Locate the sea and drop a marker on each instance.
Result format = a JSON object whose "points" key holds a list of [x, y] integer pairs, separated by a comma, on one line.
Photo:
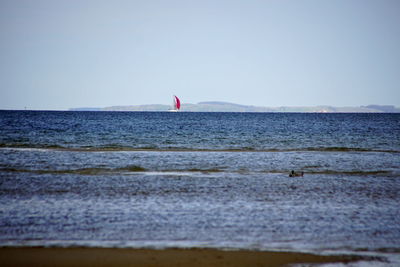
{"points": [[209, 180]]}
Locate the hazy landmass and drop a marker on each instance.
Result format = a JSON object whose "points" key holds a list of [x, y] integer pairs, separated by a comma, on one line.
{"points": [[216, 106]]}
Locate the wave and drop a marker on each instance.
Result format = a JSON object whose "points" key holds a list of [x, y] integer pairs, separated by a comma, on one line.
{"points": [[103, 170], [190, 149], [343, 149], [353, 173], [130, 169], [81, 171]]}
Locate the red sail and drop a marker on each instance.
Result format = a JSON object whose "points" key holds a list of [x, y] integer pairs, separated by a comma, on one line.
{"points": [[177, 103]]}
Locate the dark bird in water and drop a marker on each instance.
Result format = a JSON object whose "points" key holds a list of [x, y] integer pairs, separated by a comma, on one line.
{"points": [[296, 174]]}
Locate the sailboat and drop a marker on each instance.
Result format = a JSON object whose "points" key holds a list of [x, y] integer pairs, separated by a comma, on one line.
{"points": [[176, 104]]}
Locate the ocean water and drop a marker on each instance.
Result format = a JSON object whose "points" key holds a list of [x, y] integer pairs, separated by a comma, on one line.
{"points": [[220, 180]]}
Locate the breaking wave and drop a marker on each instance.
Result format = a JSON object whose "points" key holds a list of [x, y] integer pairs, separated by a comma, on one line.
{"points": [[130, 169]]}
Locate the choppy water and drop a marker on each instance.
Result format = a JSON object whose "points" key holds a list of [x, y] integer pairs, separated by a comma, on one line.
{"points": [[201, 179]]}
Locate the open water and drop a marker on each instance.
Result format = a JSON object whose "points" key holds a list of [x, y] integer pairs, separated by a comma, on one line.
{"points": [[221, 180]]}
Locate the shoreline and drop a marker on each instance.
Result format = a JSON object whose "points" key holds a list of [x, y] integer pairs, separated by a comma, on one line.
{"points": [[40, 256]]}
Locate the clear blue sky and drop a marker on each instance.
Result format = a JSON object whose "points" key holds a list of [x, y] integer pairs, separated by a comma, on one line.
{"points": [[76, 53]]}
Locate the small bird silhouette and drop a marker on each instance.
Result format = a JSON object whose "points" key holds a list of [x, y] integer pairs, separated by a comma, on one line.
{"points": [[296, 174]]}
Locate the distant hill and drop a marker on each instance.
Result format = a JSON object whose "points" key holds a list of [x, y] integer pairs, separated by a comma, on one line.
{"points": [[217, 106], [85, 109], [387, 108], [155, 107]]}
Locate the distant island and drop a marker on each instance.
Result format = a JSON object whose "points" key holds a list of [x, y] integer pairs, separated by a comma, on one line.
{"points": [[217, 106]]}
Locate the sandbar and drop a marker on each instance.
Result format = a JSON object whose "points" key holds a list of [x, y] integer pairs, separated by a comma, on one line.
{"points": [[105, 257]]}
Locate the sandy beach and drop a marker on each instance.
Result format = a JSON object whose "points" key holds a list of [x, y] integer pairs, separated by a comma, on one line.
{"points": [[149, 257]]}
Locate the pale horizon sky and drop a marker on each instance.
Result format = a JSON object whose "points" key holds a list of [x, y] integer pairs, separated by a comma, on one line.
{"points": [[66, 54]]}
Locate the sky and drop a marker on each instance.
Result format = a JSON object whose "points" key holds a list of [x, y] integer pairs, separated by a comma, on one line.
{"points": [[57, 54]]}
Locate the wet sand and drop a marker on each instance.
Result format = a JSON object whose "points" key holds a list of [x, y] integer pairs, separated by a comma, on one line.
{"points": [[152, 257]]}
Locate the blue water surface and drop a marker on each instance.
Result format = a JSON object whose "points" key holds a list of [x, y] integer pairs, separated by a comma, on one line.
{"points": [[159, 179]]}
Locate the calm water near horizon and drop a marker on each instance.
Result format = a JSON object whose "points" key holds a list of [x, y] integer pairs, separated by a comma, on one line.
{"points": [[160, 179]]}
